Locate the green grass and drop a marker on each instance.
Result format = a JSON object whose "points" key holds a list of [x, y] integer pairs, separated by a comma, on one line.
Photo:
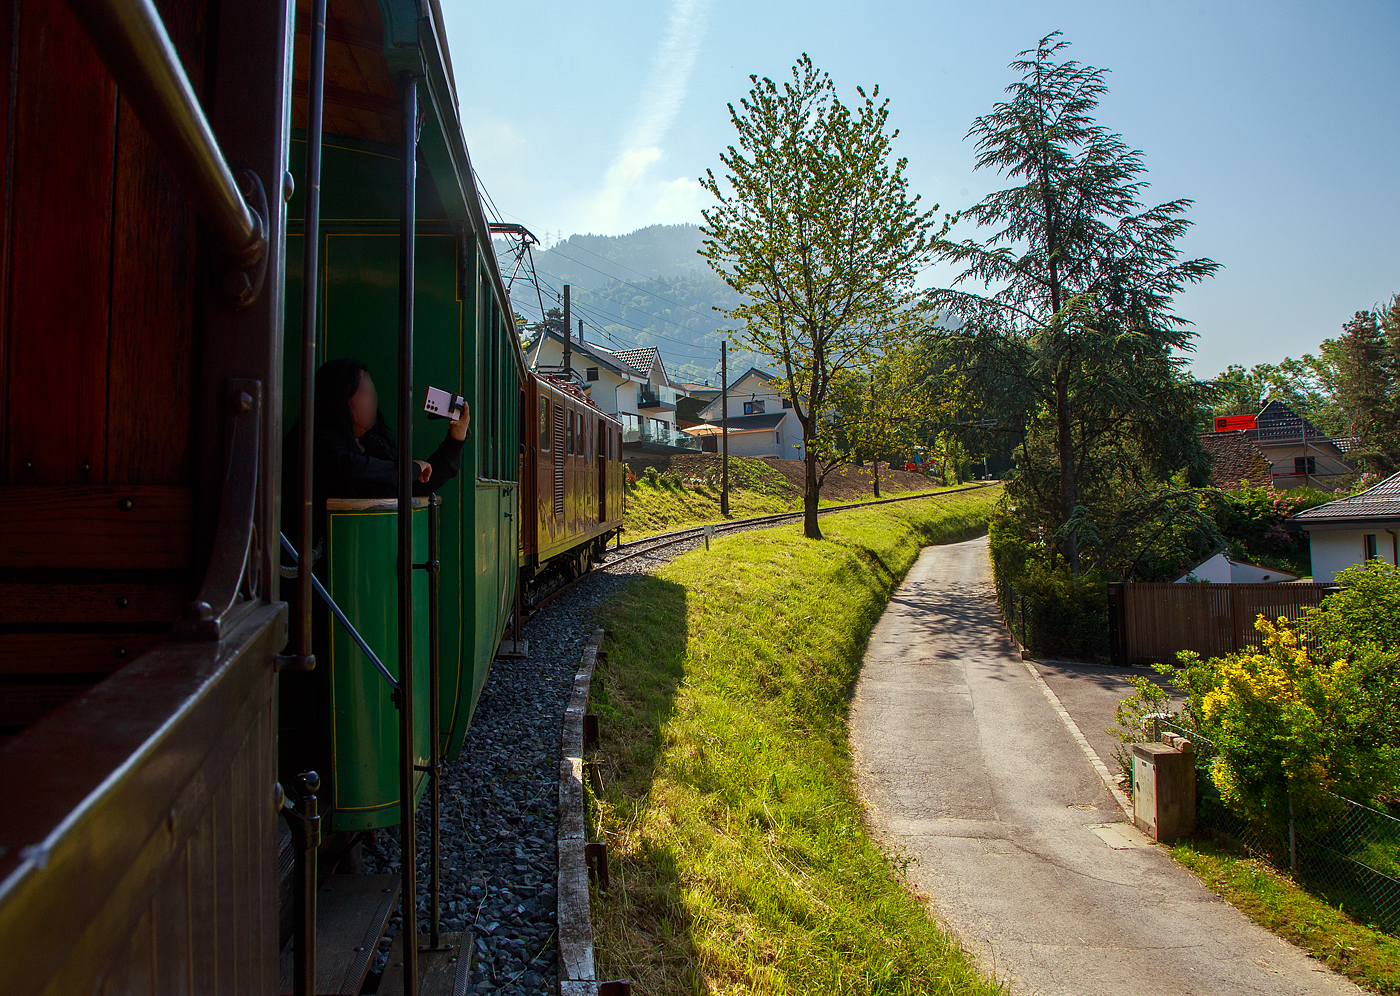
{"points": [[739, 859], [1368, 957], [667, 503]]}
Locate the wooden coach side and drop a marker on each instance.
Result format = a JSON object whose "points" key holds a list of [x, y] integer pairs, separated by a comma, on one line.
{"points": [[140, 434], [576, 456]]}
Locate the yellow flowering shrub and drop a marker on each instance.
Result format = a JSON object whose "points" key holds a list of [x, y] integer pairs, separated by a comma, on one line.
{"points": [[1280, 720]]}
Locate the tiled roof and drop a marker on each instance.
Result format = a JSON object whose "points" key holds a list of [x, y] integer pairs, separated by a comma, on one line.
{"points": [[1235, 458], [597, 353], [1277, 423], [1379, 502], [748, 423], [640, 360]]}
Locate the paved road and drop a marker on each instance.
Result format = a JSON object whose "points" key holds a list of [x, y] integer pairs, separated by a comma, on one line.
{"points": [[969, 769]]}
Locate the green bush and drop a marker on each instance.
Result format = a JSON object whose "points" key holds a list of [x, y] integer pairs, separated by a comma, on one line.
{"points": [[1065, 616], [1252, 521], [1053, 612], [1286, 720]]}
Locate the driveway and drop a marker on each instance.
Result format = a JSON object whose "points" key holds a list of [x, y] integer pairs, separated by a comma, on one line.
{"points": [[969, 768]]}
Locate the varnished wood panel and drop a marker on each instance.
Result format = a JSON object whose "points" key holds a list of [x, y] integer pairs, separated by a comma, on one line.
{"points": [[90, 527], [72, 653], [8, 26], [63, 604], [361, 98], [61, 231], [21, 705], [172, 952], [186, 834], [154, 281]]}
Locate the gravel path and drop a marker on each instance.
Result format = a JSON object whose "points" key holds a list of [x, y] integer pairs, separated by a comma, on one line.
{"points": [[500, 798]]}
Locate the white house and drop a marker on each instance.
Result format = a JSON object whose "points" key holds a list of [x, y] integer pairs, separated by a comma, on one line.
{"points": [[1351, 531], [762, 422], [629, 383], [1221, 569]]}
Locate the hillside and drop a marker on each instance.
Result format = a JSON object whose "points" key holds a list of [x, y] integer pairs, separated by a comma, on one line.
{"points": [[647, 288]]}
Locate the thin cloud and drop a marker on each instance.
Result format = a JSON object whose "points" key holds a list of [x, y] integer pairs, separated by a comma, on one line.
{"points": [[627, 178]]}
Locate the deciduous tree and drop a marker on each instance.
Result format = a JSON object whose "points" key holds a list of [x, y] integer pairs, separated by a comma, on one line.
{"points": [[813, 221]]}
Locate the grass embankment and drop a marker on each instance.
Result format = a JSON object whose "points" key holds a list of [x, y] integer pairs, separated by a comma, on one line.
{"points": [[739, 860], [1368, 957], [666, 501]]}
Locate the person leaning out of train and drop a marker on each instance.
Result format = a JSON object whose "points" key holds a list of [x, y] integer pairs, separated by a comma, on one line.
{"points": [[357, 452]]}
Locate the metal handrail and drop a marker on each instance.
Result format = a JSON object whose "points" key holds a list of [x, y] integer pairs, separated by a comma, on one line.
{"points": [[335, 611], [137, 50]]}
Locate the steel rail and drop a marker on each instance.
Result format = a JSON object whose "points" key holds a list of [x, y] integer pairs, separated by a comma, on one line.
{"points": [[692, 532], [660, 542], [339, 615]]}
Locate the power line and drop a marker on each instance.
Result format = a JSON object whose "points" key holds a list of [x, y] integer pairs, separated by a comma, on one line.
{"points": [[629, 283], [614, 319]]}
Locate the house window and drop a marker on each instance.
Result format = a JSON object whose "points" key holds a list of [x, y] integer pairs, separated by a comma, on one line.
{"points": [[753, 407], [1368, 545], [787, 402], [591, 373], [778, 438], [1305, 465]]}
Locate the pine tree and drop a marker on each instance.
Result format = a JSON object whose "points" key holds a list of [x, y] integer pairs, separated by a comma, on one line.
{"points": [[1367, 355], [1080, 328]]}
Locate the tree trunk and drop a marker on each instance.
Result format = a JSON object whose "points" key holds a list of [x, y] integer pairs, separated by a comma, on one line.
{"points": [[810, 494], [1064, 445], [875, 474]]}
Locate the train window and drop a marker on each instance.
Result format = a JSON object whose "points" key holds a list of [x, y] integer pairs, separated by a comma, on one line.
{"points": [[570, 436], [544, 423]]}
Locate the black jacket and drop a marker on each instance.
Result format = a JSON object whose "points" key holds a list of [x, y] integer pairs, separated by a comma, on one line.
{"points": [[346, 470]]}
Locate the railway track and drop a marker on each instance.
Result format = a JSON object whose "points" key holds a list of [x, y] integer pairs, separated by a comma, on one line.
{"points": [[624, 552]]}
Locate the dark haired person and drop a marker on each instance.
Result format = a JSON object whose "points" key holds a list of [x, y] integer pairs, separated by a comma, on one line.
{"points": [[357, 455]]}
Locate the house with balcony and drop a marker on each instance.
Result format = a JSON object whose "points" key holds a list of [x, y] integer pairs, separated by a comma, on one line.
{"points": [[629, 383], [762, 421], [1298, 452]]}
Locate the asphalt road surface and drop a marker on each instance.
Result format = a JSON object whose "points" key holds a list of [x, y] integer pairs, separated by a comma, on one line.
{"points": [[1025, 855]]}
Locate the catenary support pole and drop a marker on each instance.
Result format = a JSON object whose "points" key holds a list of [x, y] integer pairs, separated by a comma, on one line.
{"points": [[568, 338], [724, 426]]}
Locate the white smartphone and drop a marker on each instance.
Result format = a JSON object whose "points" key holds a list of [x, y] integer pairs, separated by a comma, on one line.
{"points": [[443, 404]]}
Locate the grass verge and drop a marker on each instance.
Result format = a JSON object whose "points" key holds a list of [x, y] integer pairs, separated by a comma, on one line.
{"points": [[739, 859], [1368, 957], [664, 505]]}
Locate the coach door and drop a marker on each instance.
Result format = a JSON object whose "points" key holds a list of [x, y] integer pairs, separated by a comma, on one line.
{"points": [[602, 461]]}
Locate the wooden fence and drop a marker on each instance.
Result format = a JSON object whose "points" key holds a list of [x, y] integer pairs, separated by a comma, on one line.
{"points": [[1149, 623]]}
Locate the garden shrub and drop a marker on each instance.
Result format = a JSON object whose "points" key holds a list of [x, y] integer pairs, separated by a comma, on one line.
{"points": [[1283, 721]]}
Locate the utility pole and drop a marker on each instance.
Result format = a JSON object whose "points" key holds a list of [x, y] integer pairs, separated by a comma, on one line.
{"points": [[875, 463], [568, 337], [724, 426]]}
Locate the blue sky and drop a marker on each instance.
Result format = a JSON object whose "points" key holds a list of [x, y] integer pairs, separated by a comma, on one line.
{"points": [[1281, 120]]}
